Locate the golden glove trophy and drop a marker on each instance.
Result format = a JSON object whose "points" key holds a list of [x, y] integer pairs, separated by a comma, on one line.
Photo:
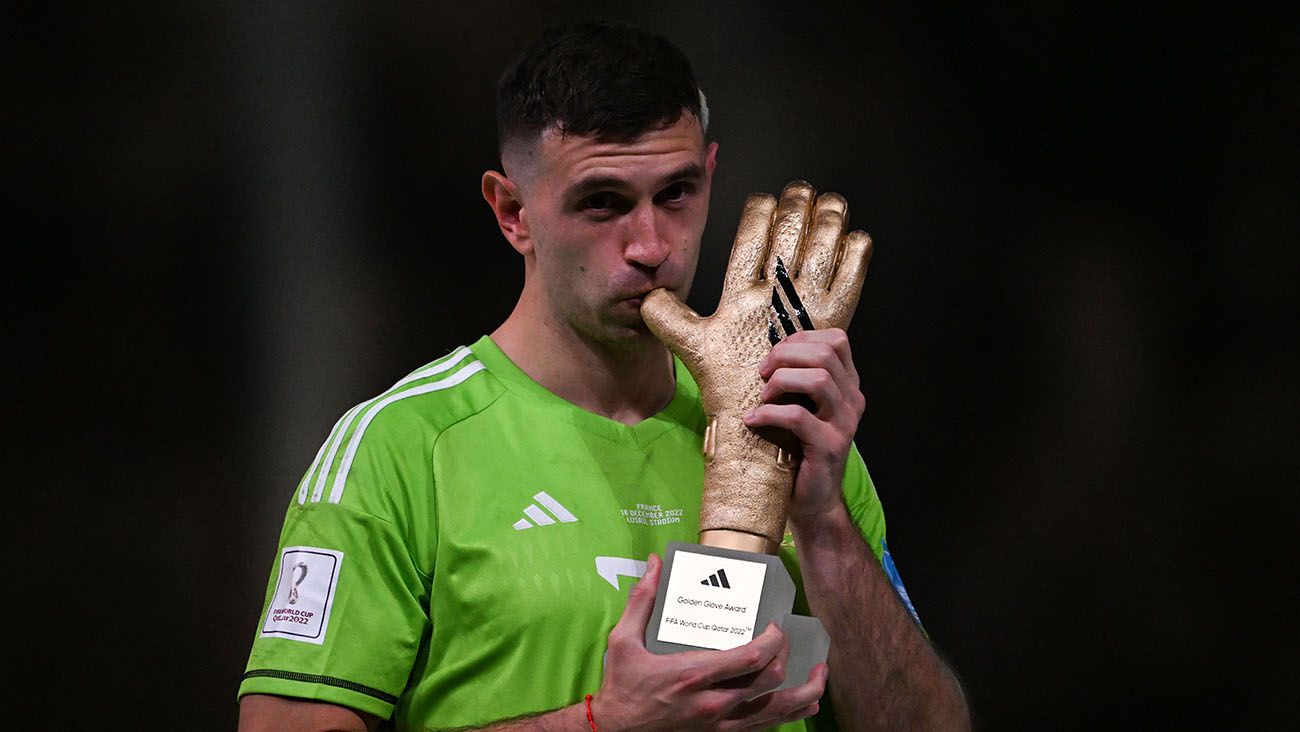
{"points": [[792, 266]]}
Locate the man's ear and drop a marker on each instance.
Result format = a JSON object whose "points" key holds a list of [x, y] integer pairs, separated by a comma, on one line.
{"points": [[710, 159], [502, 195]]}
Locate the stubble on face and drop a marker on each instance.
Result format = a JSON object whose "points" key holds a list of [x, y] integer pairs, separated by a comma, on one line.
{"points": [[600, 214]]}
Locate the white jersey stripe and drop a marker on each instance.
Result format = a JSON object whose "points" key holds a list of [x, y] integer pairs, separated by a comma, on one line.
{"points": [[538, 516], [334, 442], [445, 364], [340, 480], [560, 512], [315, 463]]}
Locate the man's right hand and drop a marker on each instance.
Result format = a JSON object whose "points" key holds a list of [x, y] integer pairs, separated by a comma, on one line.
{"points": [[696, 690]]}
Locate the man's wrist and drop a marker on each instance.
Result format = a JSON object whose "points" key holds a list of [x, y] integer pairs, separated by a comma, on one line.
{"points": [[823, 527], [600, 717], [569, 719]]}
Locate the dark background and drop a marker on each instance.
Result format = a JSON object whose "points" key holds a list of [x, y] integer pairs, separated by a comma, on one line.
{"points": [[233, 221]]}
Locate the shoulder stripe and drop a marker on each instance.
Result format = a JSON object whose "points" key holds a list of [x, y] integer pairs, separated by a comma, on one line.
{"points": [[336, 492], [447, 363], [315, 463]]}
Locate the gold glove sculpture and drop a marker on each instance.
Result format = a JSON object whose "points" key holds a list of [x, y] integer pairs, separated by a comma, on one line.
{"points": [[791, 252]]}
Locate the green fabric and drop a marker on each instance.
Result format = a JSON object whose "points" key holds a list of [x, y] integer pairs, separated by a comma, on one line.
{"points": [[453, 607]]}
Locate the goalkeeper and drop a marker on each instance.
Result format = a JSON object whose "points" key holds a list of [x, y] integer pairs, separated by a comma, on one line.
{"points": [[459, 554]]}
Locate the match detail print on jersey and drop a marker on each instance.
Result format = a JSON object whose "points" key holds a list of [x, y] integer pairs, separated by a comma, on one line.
{"points": [[300, 609], [652, 514]]}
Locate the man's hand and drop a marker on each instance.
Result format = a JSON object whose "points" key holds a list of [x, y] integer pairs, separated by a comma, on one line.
{"points": [[696, 690], [818, 365], [792, 267]]}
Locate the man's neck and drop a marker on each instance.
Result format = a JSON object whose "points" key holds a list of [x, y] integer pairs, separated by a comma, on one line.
{"points": [[626, 383]]}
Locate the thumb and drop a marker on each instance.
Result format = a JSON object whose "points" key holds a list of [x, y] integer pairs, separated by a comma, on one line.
{"points": [[673, 322], [641, 602]]}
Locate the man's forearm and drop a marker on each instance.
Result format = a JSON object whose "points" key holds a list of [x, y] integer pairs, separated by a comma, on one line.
{"points": [[568, 719], [884, 673]]}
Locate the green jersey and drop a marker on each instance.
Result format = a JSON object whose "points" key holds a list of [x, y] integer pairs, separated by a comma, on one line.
{"points": [[463, 543]]}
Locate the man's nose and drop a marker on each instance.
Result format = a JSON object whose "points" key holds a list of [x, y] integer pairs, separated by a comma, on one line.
{"points": [[645, 243]]}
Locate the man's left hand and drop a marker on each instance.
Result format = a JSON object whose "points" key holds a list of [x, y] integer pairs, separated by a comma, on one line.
{"points": [[819, 365]]}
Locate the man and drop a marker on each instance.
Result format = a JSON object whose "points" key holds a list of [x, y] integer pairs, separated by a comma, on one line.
{"points": [[452, 559]]}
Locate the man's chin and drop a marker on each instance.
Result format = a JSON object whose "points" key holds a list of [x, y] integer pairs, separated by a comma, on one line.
{"points": [[627, 329], [636, 329]]}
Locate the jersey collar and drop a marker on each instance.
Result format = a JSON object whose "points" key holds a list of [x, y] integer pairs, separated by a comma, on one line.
{"points": [[684, 409]]}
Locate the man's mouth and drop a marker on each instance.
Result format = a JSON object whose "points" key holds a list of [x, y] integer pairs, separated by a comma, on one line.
{"points": [[635, 298]]}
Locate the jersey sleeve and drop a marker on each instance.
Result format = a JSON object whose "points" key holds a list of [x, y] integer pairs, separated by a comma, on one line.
{"points": [[346, 603], [863, 503], [869, 516]]}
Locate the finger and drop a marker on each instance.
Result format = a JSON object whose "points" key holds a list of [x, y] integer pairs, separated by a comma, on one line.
{"points": [[741, 660], [673, 322], [828, 349], [766, 716], [816, 383], [801, 713], [781, 707], [765, 679], [825, 240], [772, 675], [640, 604], [749, 251], [791, 699], [846, 284], [788, 227], [808, 429]]}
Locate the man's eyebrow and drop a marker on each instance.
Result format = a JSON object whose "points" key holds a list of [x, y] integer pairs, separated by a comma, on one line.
{"points": [[687, 172], [594, 183]]}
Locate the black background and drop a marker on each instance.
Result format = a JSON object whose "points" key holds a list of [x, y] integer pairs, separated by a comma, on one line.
{"points": [[234, 221]]}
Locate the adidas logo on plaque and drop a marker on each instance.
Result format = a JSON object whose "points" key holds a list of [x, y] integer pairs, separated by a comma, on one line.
{"points": [[542, 518], [717, 579]]}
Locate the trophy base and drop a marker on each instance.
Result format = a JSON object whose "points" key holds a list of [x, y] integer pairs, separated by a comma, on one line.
{"points": [[718, 598]]}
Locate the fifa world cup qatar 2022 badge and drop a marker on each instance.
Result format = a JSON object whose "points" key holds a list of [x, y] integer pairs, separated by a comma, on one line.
{"points": [[793, 266]]}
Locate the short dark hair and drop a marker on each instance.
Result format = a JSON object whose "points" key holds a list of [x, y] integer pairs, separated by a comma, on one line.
{"points": [[614, 82]]}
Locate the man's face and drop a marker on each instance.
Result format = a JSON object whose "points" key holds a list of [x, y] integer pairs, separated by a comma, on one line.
{"points": [[609, 222]]}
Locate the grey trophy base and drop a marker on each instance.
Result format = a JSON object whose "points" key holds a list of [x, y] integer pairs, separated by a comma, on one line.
{"points": [[809, 643]]}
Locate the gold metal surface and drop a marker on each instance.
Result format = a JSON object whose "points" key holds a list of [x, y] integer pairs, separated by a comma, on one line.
{"points": [[747, 477], [739, 540]]}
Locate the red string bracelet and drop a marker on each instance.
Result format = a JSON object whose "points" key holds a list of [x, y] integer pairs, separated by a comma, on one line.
{"points": [[590, 720]]}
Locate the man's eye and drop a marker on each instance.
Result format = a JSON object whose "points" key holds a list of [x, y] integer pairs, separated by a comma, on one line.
{"points": [[598, 202], [606, 202], [674, 193]]}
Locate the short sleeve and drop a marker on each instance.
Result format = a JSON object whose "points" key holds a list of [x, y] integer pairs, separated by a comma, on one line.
{"points": [[346, 603], [863, 503], [869, 516]]}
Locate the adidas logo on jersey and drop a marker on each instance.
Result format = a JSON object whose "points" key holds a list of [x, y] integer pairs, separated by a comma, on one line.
{"points": [[542, 518], [717, 579]]}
